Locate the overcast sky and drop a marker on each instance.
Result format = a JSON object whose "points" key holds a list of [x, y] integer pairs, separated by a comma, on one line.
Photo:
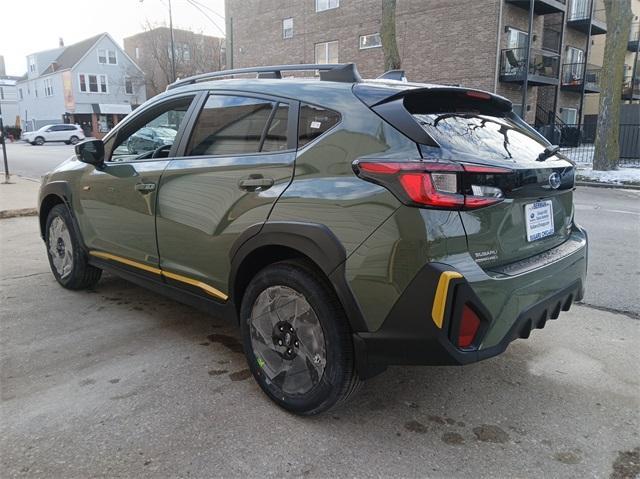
{"points": [[28, 26]]}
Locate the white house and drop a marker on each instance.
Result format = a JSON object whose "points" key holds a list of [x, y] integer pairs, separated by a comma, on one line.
{"points": [[93, 83], [9, 100]]}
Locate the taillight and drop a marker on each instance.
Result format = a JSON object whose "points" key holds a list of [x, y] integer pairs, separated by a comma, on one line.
{"points": [[469, 325], [434, 184]]}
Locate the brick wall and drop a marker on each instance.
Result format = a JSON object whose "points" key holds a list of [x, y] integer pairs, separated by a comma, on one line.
{"points": [[440, 41], [436, 43]]}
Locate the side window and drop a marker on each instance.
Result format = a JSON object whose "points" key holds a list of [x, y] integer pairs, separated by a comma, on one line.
{"points": [[314, 121], [152, 134], [234, 125]]}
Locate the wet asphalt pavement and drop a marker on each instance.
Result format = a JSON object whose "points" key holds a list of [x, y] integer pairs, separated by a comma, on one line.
{"points": [[120, 382]]}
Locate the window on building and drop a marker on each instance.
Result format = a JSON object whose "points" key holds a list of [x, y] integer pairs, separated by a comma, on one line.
{"points": [[35, 89], [48, 87], [107, 57], [314, 121], [32, 64], [573, 68], [233, 125], [370, 41], [20, 94], [569, 116], [326, 52], [322, 5], [287, 28], [1, 93], [93, 83], [128, 86]]}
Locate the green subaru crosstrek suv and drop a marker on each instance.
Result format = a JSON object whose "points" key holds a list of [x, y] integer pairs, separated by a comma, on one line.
{"points": [[347, 224]]}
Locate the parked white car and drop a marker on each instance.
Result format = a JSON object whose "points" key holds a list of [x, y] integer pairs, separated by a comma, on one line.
{"points": [[70, 134]]}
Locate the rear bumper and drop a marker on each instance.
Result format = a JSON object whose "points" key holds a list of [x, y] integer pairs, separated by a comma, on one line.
{"points": [[510, 308]]}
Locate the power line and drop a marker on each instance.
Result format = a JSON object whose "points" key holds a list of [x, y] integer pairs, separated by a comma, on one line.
{"points": [[196, 5], [210, 9]]}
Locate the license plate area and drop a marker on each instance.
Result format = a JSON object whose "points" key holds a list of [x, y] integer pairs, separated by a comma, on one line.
{"points": [[539, 220]]}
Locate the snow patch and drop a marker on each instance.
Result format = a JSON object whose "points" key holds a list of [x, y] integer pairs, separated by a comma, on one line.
{"points": [[623, 175]]}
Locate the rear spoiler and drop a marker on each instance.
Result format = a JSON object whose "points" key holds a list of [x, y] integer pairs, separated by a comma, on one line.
{"points": [[397, 105]]}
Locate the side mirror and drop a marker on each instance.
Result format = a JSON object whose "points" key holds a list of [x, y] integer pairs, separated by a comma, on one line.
{"points": [[91, 152]]}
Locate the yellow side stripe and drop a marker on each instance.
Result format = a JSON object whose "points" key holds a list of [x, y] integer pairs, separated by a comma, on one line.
{"points": [[199, 284], [128, 262], [440, 298], [177, 277]]}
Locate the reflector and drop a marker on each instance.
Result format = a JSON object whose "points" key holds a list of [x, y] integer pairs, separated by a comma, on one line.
{"points": [[468, 327]]}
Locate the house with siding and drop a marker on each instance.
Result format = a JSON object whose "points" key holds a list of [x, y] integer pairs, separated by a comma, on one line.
{"points": [[93, 83]]}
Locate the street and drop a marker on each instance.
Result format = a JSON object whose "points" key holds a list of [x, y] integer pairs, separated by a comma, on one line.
{"points": [[34, 161]]}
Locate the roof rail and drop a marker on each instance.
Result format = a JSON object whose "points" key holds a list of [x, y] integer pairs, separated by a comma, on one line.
{"points": [[340, 72]]}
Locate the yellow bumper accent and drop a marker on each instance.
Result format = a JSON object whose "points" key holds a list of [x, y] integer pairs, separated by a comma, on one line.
{"points": [[177, 277], [440, 298]]}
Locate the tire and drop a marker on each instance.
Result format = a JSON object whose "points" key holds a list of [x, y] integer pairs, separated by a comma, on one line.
{"points": [[38, 141], [312, 338], [74, 139], [67, 259]]}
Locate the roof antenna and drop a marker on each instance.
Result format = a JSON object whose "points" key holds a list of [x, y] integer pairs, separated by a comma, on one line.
{"points": [[345, 73]]}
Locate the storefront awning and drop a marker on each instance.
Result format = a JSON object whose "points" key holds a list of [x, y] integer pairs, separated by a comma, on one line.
{"points": [[111, 108]]}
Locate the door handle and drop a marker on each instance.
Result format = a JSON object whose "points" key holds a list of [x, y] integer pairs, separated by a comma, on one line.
{"points": [[145, 188], [256, 184]]}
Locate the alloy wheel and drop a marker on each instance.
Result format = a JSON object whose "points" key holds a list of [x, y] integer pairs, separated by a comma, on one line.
{"points": [[287, 340]]}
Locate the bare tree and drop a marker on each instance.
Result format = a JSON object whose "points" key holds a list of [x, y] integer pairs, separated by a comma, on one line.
{"points": [[607, 148], [388, 36], [194, 53]]}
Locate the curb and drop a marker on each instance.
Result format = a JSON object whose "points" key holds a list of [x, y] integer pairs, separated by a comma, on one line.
{"points": [[4, 214], [595, 184]]}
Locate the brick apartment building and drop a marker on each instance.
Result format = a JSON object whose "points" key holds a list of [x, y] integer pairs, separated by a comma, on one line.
{"points": [[631, 67], [474, 43], [194, 53]]}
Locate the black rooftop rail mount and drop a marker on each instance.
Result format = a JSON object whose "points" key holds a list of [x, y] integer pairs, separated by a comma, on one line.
{"points": [[338, 72]]}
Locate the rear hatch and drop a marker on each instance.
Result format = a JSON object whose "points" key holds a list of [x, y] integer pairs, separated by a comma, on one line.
{"points": [[478, 129]]}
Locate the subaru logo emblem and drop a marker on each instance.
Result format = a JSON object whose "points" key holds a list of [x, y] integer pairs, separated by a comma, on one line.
{"points": [[555, 180]]}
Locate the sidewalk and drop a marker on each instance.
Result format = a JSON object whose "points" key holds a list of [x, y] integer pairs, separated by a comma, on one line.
{"points": [[19, 197]]}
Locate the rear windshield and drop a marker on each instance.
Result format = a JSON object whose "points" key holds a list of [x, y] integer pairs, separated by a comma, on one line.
{"points": [[473, 133]]}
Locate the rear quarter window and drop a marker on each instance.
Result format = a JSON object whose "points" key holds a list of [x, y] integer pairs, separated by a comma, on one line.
{"points": [[313, 122]]}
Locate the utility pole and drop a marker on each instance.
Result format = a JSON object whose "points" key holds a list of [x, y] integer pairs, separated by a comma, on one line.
{"points": [[7, 176], [173, 48]]}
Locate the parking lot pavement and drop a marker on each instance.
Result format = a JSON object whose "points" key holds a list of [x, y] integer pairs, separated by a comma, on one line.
{"points": [[121, 382]]}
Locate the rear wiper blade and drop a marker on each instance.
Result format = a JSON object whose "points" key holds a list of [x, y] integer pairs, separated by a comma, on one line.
{"points": [[548, 152]]}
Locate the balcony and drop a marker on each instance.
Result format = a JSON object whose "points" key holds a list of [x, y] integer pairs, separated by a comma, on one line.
{"points": [[575, 75], [541, 7], [543, 68], [579, 18], [634, 38], [631, 88]]}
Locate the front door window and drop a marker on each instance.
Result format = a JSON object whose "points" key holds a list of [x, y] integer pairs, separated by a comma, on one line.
{"points": [[153, 135]]}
